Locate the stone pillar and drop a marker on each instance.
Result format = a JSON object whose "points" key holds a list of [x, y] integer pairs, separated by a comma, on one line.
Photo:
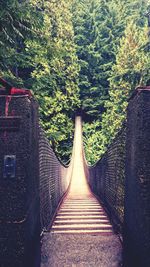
{"points": [[137, 181], [19, 180]]}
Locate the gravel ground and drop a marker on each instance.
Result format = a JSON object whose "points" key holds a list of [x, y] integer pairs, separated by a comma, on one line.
{"points": [[84, 250]]}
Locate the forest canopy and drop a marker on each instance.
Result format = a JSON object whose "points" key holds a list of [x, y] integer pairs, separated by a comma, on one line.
{"points": [[77, 54]]}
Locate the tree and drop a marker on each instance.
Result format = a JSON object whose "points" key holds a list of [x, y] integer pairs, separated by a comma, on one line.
{"points": [[130, 70], [55, 73], [120, 85], [93, 38], [70, 55], [38, 52], [16, 23]]}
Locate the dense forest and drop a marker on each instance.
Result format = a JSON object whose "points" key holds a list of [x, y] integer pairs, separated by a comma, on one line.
{"points": [[77, 54]]}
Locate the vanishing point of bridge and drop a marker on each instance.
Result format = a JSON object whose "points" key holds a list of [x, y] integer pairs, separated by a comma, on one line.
{"points": [[80, 211], [75, 215]]}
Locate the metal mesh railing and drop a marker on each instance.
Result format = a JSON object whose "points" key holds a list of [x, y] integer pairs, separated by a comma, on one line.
{"points": [[107, 179], [54, 180]]}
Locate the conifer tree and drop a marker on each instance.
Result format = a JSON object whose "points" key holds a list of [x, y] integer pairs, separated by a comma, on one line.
{"points": [[130, 70], [72, 53], [55, 74], [16, 23], [37, 51], [119, 16], [93, 39]]}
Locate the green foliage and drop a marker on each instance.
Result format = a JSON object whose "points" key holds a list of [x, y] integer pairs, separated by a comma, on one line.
{"points": [[94, 141], [130, 70], [95, 55], [99, 25], [38, 51], [55, 74], [89, 53], [16, 23]]}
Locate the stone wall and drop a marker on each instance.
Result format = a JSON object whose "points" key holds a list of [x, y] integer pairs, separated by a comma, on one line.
{"points": [[19, 180], [137, 183]]}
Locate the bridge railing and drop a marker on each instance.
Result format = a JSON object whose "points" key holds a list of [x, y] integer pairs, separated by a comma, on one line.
{"points": [[107, 179], [54, 180]]}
